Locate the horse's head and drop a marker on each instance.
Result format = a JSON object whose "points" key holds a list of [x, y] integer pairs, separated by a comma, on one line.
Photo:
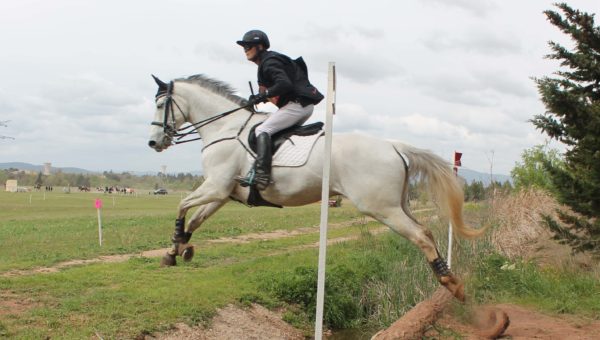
{"points": [[167, 118]]}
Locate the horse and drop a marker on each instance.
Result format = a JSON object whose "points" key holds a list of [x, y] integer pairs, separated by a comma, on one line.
{"points": [[372, 173]]}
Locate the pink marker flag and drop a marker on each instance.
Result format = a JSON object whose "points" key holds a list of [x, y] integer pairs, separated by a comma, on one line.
{"points": [[98, 203]]}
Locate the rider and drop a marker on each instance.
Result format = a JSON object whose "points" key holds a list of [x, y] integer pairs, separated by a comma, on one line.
{"points": [[283, 82]]}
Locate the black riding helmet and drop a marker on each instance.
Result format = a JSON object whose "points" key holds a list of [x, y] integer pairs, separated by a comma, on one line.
{"points": [[255, 37]]}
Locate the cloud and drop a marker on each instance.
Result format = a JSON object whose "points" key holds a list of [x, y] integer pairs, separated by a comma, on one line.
{"points": [[353, 117], [476, 40], [353, 48], [484, 88], [318, 34], [86, 94], [219, 52], [479, 8]]}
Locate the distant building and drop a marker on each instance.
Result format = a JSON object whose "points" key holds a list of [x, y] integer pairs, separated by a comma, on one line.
{"points": [[11, 185], [163, 169], [47, 168]]}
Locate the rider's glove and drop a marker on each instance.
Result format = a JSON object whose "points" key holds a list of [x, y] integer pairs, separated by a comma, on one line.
{"points": [[257, 98]]}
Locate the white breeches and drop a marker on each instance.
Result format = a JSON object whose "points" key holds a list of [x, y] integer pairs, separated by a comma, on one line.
{"points": [[291, 114]]}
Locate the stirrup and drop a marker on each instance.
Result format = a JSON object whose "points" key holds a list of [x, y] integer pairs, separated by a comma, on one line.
{"points": [[261, 182], [248, 180]]}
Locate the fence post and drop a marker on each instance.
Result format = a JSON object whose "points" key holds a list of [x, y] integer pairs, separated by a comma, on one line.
{"points": [[330, 111]]}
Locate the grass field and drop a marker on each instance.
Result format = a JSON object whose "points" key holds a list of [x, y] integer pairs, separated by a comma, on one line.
{"points": [[134, 297], [65, 226], [371, 280]]}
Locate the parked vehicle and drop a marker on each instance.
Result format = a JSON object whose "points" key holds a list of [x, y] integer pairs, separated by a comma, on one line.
{"points": [[161, 191]]}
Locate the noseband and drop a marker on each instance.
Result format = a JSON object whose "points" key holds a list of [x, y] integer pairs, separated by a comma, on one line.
{"points": [[170, 126]]}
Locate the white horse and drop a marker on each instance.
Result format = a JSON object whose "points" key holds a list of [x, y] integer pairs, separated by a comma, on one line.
{"points": [[372, 173]]}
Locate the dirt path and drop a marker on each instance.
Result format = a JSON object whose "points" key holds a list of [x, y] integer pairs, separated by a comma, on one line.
{"points": [[245, 238]]}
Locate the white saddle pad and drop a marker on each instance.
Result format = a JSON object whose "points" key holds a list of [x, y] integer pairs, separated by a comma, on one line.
{"points": [[294, 151]]}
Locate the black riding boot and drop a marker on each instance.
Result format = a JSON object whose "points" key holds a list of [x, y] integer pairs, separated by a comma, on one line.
{"points": [[260, 174]]}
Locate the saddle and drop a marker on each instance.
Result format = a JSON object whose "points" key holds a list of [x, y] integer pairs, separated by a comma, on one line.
{"points": [[254, 197], [280, 137]]}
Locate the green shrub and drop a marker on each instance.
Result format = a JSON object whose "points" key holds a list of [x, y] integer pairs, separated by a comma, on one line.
{"points": [[558, 290], [342, 289]]}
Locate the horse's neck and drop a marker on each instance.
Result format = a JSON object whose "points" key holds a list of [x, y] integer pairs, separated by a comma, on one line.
{"points": [[206, 104]]}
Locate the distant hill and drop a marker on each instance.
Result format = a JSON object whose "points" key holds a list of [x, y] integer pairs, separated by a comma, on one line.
{"points": [[470, 176], [33, 167], [72, 170]]}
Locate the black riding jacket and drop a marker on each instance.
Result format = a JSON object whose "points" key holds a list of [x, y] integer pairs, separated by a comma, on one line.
{"points": [[287, 79]]}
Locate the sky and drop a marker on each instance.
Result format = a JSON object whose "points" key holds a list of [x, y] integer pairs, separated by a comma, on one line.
{"points": [[76, 90]]}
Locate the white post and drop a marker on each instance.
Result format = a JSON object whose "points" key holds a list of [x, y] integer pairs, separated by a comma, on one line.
{"points": [[330, 110], [450, 244], [454, 166], [98, 205], [99, 227]]}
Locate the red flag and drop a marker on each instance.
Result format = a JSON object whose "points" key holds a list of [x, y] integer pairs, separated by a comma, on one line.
{"points": [[457, 156]]}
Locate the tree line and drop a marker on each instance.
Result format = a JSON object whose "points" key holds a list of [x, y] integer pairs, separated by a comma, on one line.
{"points": [[180, 181]]}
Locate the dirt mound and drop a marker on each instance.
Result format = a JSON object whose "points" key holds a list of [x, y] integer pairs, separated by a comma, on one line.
{"points": [[412, 325], [232, 322], [524, 324], [489, 322]]}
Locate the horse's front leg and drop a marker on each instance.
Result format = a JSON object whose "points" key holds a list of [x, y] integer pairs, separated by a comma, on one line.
{"points": [[181, 236], [210, 198]]}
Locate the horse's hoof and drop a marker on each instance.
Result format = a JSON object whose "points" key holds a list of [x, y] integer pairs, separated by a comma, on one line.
{"points": [[168, 260], [455, 286], [187, 253]]}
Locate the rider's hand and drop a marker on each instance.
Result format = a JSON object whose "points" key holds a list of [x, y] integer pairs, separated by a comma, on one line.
{"points": [[258, 98]]}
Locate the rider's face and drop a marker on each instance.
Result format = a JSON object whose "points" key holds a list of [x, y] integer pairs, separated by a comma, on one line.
{"points": [[251, 51]]}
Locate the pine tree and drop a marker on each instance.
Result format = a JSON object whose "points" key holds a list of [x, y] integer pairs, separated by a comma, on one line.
{"points": [[572, 100]]}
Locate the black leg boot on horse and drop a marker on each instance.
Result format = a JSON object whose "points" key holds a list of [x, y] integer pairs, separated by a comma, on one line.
{"points": [[260, 174], [181, 246], [447, 279]]}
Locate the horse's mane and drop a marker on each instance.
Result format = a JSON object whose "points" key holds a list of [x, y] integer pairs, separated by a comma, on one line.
{"points": [[215, 86]]}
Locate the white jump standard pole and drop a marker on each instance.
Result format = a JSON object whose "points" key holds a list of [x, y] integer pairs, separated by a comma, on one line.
{"points": [[330, 110]]}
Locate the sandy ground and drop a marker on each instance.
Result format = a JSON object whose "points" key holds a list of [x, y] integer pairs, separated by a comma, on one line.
{"points": [[524, 324], [234, 323]]}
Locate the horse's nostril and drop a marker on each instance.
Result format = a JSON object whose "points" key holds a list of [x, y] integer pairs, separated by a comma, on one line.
{"points": [[152, 143]]}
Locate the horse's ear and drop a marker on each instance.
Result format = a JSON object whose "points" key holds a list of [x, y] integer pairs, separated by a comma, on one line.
{"points": [[162, 86]]}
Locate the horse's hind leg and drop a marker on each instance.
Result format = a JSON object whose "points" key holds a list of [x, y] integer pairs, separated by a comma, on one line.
{"points": [[422, 237]]}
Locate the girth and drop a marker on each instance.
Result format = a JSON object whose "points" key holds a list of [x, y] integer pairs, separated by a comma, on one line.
{"points": [[280, 137]]}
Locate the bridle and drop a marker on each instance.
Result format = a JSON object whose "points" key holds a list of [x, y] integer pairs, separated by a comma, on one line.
{"points": [[175, 134]]}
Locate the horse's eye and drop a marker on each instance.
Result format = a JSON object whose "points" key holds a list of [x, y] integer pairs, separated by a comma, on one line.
{"points": [[160, 106]]}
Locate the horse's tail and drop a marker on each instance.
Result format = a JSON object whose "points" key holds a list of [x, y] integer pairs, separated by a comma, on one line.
{"points": [[441, 182]]}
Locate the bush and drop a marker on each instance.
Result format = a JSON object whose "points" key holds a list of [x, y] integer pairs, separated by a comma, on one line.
{"points": [[343, 289], [499, 279]]}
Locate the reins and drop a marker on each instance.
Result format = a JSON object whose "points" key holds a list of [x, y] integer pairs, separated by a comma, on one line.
{"points": [[180, 133]]}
